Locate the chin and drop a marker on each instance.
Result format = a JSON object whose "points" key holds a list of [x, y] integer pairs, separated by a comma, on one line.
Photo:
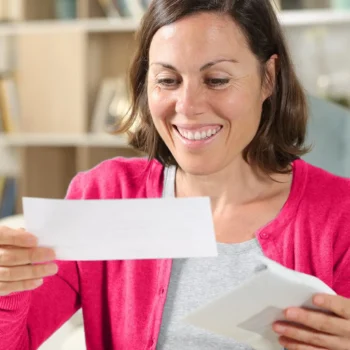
{"points": [[198, 167]]}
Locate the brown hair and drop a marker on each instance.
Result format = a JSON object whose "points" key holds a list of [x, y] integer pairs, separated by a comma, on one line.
{"points": [[281, 134]]}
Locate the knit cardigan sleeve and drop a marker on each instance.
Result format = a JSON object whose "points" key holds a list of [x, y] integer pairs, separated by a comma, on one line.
{"points": [[27, 319]]}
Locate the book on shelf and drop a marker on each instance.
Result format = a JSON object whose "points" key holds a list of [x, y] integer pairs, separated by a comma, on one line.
{"points": [[9, 104], [8, 194], [2, 129], [124, 8], [146, 3], [131, 8], [109, 9], [7, 54], [11, 10], [112, 105]]}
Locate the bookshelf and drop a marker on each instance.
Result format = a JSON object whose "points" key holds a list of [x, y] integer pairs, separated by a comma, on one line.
{"points": [[59, 66]]}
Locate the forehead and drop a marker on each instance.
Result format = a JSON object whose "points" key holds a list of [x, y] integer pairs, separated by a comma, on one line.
{"points": [[200, 35]]}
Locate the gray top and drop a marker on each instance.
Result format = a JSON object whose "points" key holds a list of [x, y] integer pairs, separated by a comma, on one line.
{"points": [[195, 282]]}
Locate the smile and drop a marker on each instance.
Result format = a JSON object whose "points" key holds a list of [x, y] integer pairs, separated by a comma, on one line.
{"points": [[197, 135]]}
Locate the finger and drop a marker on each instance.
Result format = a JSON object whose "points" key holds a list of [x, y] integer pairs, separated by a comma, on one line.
{"points": [[12, 287], [11, 256], [17, 238], [334, 303], [319, 321], [291, 344], [28, 272], [309, 337]]}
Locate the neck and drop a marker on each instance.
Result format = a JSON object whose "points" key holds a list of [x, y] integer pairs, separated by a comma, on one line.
{"points": [[235, 185]]}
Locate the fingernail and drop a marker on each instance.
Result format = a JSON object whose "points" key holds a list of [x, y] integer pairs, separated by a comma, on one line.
{"points": [[38, 283], [31, 240], [279, 328], [291, 313], [47, 255], [50, 256], [319, 300], [51, 269]]}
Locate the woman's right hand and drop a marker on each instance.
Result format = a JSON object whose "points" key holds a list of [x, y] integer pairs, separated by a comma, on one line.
{"points": [[22, 263]]}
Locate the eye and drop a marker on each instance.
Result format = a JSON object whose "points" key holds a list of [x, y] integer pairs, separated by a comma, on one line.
{"points": [[168, 82], [217, 82]]}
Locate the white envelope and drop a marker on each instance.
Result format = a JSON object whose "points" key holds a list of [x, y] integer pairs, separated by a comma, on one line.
{"points": [[123, 229], [248, 311]]}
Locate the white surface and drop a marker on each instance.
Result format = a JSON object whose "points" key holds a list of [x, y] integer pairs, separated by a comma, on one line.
{"points": [[122, 229], [248, 312], [75, 340], [63, 140], [100, 25], [15, 221], [68, 337], [318, 17]]}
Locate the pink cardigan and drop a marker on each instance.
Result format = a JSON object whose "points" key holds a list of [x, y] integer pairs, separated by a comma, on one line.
{"points": [[123, 301]]}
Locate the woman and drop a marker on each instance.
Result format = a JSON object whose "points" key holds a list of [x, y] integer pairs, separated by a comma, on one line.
{"points": [[218, 107]]}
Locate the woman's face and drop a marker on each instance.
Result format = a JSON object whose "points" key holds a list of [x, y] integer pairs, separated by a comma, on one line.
{"points": [[205, 91]]}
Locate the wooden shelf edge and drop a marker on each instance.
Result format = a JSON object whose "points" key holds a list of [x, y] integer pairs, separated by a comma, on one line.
{"points": [[98, 25], [288, 18], [63, 140]]}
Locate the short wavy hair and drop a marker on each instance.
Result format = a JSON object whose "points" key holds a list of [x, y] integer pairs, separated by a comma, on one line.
{"points": [[280, 138]]}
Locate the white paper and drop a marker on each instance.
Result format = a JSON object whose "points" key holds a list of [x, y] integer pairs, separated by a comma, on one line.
{"points": [[249, 310], [122, 229]]}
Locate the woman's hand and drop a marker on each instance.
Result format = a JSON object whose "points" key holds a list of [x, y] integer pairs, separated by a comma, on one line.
{"points": [[317, 330], [21, 267]]}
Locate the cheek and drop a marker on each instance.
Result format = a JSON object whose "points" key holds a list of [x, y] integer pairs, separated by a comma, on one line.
{"points": [[161, 106], [239, 107], [230, 107]]}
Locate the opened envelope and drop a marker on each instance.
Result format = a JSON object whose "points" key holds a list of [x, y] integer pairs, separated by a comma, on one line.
{"points": [[249, 310]]}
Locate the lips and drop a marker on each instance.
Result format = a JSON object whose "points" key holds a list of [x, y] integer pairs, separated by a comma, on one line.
{"points": [[198, 133]]}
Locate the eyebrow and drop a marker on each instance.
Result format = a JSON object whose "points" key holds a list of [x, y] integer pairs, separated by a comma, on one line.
{"points": [[206, 66]]}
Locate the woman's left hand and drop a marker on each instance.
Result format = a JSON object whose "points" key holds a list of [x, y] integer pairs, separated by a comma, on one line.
{"points": [[317, 330]]}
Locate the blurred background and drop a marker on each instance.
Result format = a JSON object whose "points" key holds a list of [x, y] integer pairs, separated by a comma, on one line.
{"points": [[62, 87]]}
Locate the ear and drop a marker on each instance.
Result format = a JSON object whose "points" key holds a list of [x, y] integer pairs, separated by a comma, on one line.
{"points": [[269, 83]]}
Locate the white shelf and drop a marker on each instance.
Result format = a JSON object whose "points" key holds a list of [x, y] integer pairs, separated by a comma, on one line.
{"points": [[111, 25], [314, 17], [99, 25], [106, 25], [63, 140]]}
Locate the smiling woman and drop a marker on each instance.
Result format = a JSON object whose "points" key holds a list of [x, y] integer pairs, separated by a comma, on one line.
{"points": [[212, 64], [188, 97], [219, 110]]}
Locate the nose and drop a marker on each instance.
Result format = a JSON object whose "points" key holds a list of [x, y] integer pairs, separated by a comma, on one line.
{"points": [[190, 100]]}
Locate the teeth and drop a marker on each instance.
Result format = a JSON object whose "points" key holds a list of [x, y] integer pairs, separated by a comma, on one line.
{"points": [[198, 135]]}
